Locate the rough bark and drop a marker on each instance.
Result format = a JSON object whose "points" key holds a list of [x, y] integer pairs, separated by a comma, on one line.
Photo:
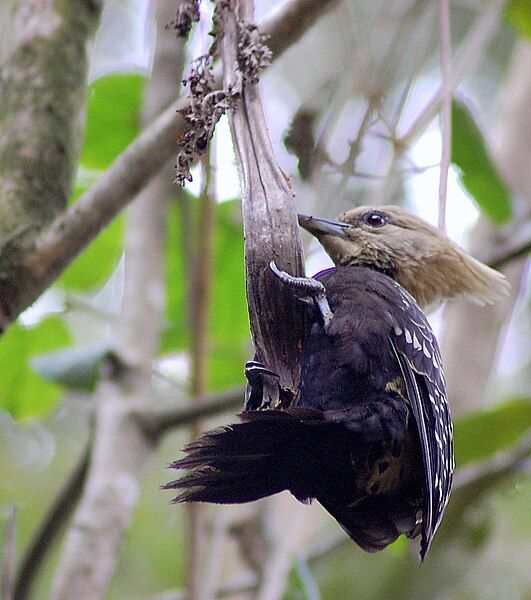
{"points": [[468, 381], [270, 227], [43, 71]]}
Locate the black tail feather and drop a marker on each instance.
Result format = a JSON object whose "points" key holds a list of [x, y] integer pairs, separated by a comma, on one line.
{"points": [[268, 453], [308, 452]]}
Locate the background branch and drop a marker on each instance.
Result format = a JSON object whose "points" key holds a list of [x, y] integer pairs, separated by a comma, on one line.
{"points": [[121, 448], [199, 307], [500, 259], [465, 59], [446, 112], [40, 123], [8, 556], [156, 422], [73, 229], [51, 527]]}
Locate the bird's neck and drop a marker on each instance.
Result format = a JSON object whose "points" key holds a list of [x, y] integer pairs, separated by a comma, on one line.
{"points": [[390, 272]]}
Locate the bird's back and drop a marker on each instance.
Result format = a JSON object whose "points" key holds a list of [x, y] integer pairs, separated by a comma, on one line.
{"points": [[354, 359]]}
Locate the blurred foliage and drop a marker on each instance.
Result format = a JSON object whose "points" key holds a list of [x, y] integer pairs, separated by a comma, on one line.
{"points": [[479, 435], [113, 118], [228, 324], [518, 14], [22, 392], [76, 367], [93, 267], [478, 172]]}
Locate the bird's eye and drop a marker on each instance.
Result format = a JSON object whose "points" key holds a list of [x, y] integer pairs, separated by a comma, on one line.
{"points": [[375, 219]]}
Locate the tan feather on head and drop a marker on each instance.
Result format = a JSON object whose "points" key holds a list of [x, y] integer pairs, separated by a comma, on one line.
{"points": [[426, 262]]}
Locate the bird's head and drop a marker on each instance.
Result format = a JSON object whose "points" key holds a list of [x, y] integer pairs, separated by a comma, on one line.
{"points": [[391, 239]]}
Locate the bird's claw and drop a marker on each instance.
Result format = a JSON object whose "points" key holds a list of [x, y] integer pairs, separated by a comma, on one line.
{"points": [[255, 369], [255, 372], [308, 290]]}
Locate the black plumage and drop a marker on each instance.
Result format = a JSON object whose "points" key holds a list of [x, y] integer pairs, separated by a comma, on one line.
{"points": [[370, 436]]}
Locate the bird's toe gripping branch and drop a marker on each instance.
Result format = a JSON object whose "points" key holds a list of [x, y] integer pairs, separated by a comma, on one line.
{"points": [[255, 372], [308, 290]]}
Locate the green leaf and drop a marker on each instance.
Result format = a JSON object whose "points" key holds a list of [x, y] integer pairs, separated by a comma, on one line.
{"points": [[399, 547], [518, 15], [97, 261], [479, 175], [113, 118], [77, 367], [22, 392], [484, 433], [229, 323], [175, 334]]}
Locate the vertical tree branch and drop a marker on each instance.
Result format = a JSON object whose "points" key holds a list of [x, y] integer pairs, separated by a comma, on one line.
{"points": [[446, 113], [41, 107], [269, 221], [199, 308], [40, 110], [121, 445]]}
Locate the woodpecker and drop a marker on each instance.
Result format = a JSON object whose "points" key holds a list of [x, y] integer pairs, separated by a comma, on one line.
{"points": [[370, 435]]}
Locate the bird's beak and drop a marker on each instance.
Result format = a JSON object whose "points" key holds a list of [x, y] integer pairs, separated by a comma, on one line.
{"points": [[323, 226]]}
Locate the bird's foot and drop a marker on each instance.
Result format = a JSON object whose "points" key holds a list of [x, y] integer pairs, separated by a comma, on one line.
{"points": [[255, 372], [308, 290]]}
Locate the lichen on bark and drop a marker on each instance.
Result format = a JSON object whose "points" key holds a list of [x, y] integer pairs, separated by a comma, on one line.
{"points": [[43, 69]]}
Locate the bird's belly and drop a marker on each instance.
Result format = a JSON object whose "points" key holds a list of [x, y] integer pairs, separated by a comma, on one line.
{"points": [[385, 469]]}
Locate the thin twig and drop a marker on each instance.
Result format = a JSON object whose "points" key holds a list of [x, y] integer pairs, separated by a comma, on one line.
{"points": [[477, 38], [506, 256], [446, 113], [277, 568], [216, 555], [349, 164], [51, 526], [157, 422], [474, 482]]}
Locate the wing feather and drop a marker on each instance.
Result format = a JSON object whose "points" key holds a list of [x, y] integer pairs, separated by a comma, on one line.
{"points": [[419, 357]]}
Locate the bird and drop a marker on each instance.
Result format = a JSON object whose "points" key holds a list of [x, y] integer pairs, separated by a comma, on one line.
{"points": [[369, 435]]}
